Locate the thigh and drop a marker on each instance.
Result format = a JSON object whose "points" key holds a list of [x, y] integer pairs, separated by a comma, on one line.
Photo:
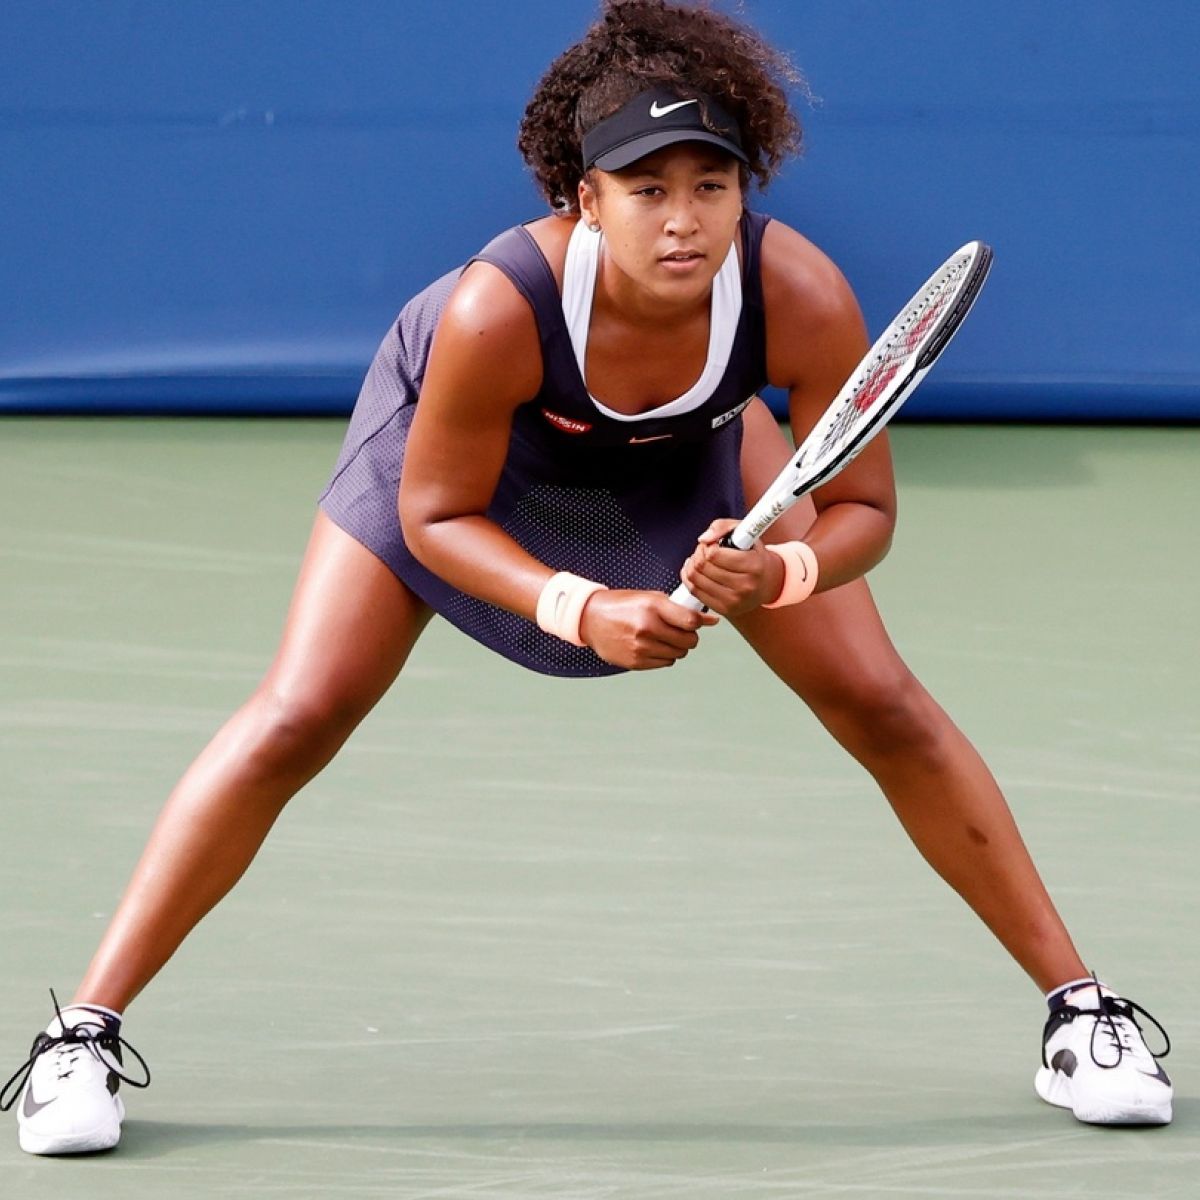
{"points": [[349, 629]]}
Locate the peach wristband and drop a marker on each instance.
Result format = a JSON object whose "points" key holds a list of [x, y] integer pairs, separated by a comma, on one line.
{"points": [[799, 573], [560, 605]]}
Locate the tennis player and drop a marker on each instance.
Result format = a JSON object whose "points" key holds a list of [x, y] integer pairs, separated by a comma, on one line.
{"points": [[539, 441]]}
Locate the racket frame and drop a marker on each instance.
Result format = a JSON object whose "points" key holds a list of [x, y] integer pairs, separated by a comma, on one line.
{"points": [[806, 470]]}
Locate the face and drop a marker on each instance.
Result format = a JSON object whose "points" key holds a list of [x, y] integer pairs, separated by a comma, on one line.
{"points": [[668, 220]]}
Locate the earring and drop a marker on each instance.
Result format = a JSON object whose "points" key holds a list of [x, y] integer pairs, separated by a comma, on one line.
{"points": [[594, 226]]}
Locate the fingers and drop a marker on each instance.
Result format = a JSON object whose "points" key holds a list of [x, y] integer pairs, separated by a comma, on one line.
{"points": [[677, 628], [716, 531], [663, 646], [698, 584], [688, 618], [717, 576], [728, 580], [641, 630]]}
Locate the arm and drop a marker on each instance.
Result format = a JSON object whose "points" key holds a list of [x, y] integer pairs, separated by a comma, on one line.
{"points": [[815, 339], [484, 363]]}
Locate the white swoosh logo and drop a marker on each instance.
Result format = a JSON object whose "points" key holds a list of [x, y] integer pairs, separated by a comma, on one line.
{"points": [[657, 110], [658, 437]]}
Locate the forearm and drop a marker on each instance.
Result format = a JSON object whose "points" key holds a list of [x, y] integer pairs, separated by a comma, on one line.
{"points": [[848, 539], [476, 556]]}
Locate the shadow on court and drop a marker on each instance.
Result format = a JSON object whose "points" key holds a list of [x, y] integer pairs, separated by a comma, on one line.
{"points": [[151, 1139]]}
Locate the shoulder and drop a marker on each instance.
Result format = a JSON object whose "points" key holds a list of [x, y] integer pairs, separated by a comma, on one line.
{"points": [[802, 280], [811, 310], [551, 234], [489, 327], [488, 331], [487, 302]]}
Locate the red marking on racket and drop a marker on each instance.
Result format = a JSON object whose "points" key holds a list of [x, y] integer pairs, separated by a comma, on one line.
{"points": [[874, 386]]}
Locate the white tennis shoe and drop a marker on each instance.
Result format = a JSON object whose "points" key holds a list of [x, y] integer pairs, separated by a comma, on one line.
{"points": [[1095, 1062], [69, 1102]]}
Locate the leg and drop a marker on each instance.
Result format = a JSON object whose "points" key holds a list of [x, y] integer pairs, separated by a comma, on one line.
{"points": [[834, 652], [349, 630]]}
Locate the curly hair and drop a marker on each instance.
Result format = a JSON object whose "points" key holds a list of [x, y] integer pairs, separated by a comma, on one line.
{"points": [[636, 45]]}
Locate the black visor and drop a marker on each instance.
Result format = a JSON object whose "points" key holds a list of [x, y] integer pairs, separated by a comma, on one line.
{"points": [[658, 118]]}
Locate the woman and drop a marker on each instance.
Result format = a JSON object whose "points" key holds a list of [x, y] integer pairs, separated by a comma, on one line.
{"points": [[587, 403]]}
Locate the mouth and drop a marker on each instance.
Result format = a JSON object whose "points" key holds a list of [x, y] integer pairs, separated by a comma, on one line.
{"points": [[682, 261]]}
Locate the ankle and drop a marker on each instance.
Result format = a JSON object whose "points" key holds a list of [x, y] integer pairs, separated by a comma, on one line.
{"points": [[85, 1007]]}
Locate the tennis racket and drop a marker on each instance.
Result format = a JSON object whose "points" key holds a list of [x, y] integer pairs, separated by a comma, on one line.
{"points": [[884, 379]]}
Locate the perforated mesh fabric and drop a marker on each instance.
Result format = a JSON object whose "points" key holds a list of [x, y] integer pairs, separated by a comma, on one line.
{"points": [[582, 530], [393, 382]]}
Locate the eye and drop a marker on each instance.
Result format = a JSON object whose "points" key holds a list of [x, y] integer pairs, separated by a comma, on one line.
{"points": [[650, 190]]}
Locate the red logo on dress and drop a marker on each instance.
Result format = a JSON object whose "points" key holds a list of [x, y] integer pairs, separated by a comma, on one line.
{"points": [[566, 424]]}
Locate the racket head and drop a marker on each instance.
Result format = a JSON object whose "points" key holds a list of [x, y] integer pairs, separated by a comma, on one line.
{"points": [[888, 374], [895, 364]]}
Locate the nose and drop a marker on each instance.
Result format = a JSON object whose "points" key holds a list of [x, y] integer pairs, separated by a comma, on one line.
{"points": [[681, 218]]}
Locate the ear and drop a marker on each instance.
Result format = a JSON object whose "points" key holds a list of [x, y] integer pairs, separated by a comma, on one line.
{"points": [[589, 202]]}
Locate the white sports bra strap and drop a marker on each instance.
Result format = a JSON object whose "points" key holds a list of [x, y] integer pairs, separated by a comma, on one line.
{"points": [[579, 289]]}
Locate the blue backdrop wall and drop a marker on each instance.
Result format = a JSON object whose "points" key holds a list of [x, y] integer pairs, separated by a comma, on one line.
{"points": [[218, 205]]}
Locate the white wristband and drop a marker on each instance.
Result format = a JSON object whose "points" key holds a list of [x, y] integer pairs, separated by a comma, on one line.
{"points": [[799, 573], [560, 605]]}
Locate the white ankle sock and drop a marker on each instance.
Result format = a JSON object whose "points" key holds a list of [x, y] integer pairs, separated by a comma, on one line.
{"points": [[93, 1008], [1077, 989]]}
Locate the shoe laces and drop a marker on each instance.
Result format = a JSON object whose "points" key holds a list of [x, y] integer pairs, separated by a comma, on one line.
{"points": [[83, 1037], [1115, 1030]]}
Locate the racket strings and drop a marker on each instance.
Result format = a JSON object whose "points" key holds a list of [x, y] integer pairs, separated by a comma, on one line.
{"points": [[912, 331]]}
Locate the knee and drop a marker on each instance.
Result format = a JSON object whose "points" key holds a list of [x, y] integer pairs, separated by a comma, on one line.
{"points": [[295, 732], [886, 715]]}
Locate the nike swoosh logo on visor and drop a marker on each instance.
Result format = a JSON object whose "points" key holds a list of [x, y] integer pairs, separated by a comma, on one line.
{"points": [[658, 437], [657, 110]]}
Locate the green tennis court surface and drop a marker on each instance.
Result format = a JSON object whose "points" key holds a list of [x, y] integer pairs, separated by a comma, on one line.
{"points": [[532, 938]]}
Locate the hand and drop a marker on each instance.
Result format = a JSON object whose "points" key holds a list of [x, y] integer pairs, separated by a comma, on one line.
{"points": [[728, 580], [640, 630]]}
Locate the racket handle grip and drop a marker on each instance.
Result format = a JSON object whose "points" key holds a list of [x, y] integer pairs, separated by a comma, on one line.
{"points": [[685, 598]]}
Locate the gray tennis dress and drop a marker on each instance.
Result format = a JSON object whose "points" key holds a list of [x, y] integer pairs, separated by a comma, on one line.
{"points": [[613, 498]]}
